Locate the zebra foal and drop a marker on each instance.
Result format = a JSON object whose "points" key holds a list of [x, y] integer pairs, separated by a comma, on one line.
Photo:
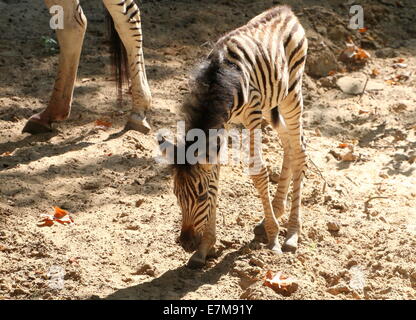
{"points": [[125, 24], [253, 72]]}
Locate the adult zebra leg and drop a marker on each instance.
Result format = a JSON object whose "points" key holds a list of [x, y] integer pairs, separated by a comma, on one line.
{"points": [[70, 40], [126, 17], [260, 177]]}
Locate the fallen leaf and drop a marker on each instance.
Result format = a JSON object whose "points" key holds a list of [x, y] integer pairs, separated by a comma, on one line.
{"points": [[375, 72], [343, 145], [400, 60], [6, 154], [46, 223], [279, 282], [363, 111], [349, 156], [61, 216], [399, 65], [101, 124], [363, 30], [391, 82], [60, 213], [331, 73], [361, 54]]}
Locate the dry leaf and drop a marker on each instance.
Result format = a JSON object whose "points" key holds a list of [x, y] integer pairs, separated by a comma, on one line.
{"points": [[363, 111], [361, 54], [331, 73], [279, 282], [349, 156], [101, 124], [375, 72], [363, 30], [6, 154], [60, 215], [391, 82], [343, 145], [46, 222]]}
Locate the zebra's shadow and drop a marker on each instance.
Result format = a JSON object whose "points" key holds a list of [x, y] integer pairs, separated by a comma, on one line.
{"points": [[175, 284]]}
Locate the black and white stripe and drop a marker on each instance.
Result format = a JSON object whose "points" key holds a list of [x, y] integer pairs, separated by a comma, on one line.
{"points": [[264, 62]]}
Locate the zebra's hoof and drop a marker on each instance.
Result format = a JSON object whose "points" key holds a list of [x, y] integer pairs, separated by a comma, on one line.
{"points": [[290, 244], [196, 261], [35, 127], [275, 247], [259, 229], [137, 123]]}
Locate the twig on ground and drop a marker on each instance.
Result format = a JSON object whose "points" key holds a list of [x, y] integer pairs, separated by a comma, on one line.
{"points": [[321, 175], [368, 202], [362, 93]]}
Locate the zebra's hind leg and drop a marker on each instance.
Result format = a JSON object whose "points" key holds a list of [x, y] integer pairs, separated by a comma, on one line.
{"points": [[291, 111], [70, 40], [259, 175], [127, 21]]}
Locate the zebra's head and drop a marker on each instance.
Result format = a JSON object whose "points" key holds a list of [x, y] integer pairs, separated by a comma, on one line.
{"points": [[195, 187]]}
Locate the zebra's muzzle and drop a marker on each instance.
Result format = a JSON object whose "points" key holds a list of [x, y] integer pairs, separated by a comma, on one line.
{"points": [[189, 240]]}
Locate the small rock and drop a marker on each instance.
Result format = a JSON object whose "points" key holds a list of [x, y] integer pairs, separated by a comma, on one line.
{"points": [[321, 63], [333, 226], [399, 107], [351, 85], [146, 269], [139, 203], [337, 289], [386, 53]]}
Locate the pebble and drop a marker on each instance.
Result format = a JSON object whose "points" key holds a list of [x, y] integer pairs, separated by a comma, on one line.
{"points": [[351, 85], [334, 226]]}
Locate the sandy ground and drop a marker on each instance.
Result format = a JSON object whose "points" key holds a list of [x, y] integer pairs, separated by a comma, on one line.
{"points": [[359, 216]]}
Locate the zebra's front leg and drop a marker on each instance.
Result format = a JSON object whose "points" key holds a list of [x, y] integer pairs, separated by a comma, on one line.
{"points": [[279, 200], [127, 21], [260, 177], [206, 247], [70, 40]]}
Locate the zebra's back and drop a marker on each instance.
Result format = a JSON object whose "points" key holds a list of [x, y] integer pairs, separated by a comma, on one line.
{"points": [[269, 52]]}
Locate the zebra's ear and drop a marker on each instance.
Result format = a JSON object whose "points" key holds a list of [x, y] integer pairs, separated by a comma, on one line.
{"points": [[167, 149]]}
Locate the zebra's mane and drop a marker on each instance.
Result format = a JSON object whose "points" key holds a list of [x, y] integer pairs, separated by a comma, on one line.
{"points": [[211, 97]]}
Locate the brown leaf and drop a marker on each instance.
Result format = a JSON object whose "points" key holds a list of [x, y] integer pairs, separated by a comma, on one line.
{"points": [[375, 73], [349, 156], [102, 124], [343, 145], [61, 216], [59, 213], [363, 30], [47, 222], [279, 282]]}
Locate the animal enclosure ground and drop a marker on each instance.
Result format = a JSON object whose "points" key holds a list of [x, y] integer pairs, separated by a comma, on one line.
{"points": [[359, 216]]}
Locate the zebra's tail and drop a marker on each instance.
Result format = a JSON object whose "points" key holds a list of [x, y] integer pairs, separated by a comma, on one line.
{"points": [[118, 56]]}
